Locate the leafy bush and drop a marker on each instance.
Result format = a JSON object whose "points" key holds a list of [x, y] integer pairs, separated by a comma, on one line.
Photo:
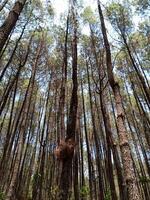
{"points": [[54, 192], [2, 195], [84, 192], [108, 195], [144, 179]]}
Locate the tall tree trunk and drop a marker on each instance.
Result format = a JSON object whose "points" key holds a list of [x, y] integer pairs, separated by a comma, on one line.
{"points": [[98, 154], [60, 117], [10, 22], [141, 78], [76, 163], [87, 145], [26, 107], [124, 145], [71, 123], [10, 133], [13, 52], [109, 136]]}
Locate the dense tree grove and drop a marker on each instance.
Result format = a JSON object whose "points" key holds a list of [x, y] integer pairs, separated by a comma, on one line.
{"points": [[74, 100]]}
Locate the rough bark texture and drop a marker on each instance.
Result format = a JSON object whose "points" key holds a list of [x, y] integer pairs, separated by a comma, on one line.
{"points": [[71, 123], [60, 115], [124, 145], [107, 124], [13, 52], [10, 22]]}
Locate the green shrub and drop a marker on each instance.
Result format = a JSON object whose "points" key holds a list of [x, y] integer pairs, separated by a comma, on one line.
{"points": [[84, 192], [2, 195], [144, 179], [108, 195]]}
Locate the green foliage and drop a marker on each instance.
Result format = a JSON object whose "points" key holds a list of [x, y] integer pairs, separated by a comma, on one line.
{"points": [[88, 15], [107, 195], [120, 17], [2, 195], [54, 192], [141, 5], [50, 11], [42, 121], [144, 179], [84, 192], [144, 27], [37, 3], [36, 177]]}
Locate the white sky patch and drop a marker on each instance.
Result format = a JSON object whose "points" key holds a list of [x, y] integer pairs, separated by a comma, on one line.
{"points": [[61, 7]]}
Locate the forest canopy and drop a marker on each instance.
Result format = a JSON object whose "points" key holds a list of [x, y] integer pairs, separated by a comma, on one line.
{"points": [[74, 100]]}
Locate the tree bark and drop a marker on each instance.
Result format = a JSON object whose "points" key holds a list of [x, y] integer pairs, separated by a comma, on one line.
{"points": [[10, 22], [13, 52], [71, 123], [25, 109], [124, 145]]}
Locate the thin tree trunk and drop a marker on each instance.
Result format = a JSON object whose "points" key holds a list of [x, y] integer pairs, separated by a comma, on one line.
{"points": [[98, 155], [141, 78], [4, 159], [13, 52], [87, 144], [3, 5], [11, 191]]}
